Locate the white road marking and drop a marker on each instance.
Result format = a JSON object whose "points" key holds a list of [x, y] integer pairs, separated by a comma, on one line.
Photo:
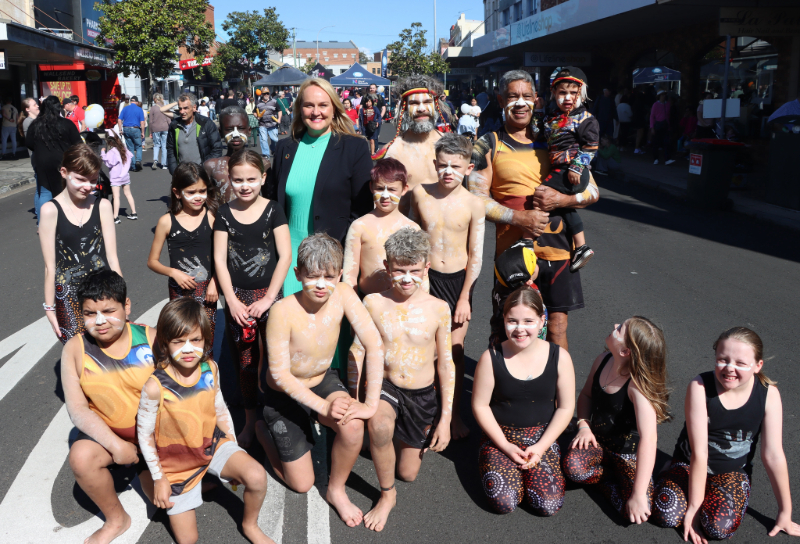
{"points": [[35, 340], [270, 518], [319, 521]]}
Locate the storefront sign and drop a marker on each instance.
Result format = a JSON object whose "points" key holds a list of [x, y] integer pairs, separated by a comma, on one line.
{"points": [[61, 89], [558, 59], [62, 75], [695, 163], [94, 57], [192, 63], [92, 28], [759, 21]]}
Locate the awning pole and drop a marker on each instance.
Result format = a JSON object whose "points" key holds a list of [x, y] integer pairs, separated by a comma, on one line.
{"points": [[725, 80]]}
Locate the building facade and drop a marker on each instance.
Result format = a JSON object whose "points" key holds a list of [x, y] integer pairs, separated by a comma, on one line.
{"points": [[333, 55]]}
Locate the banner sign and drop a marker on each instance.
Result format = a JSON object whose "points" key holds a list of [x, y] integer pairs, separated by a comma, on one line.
{"points": [[558, 59], [759, 21], [695, 163], [192, 63]]}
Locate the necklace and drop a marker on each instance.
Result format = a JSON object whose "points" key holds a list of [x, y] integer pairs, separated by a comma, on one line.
{"points": [[603, 387], [83, 213]]}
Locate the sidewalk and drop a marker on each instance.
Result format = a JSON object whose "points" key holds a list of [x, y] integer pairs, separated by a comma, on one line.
{"points": [[673, 180], [16, 174]]}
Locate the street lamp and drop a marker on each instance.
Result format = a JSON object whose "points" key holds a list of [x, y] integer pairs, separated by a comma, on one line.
{"points": [[318, 31]]}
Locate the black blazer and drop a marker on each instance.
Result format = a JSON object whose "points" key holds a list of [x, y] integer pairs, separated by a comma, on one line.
{"points": [[341, 192]]}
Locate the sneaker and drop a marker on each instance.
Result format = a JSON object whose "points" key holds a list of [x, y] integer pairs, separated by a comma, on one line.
{"points": [[655, 161], [164, 167], [581, 257], [138, 167], [154, 166], [117, 221], [132, 216], [601, 172], [638, 151], [669, 162]]}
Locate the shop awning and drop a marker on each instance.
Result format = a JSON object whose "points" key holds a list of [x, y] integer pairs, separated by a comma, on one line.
{"points": [[358, 76], [283, 76], [25, 44], [655, 74]]}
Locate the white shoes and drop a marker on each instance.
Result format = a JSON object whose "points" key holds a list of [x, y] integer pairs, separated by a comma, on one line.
{"points": [[669, 162], [655, 162]]}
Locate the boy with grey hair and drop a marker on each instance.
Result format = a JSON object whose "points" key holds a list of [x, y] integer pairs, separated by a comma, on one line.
{"points": [[454, 218], [302, 335], [415, 328]]}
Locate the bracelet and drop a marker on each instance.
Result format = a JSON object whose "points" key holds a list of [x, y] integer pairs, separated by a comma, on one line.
{"points": [[581, 419], [48, 308], [587, 427]]}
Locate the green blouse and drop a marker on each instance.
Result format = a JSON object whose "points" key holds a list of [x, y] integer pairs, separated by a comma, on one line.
{"points": [[300, 196]]}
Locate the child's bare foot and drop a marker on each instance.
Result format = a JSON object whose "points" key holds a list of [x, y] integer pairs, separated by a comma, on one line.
{"points": [[458, 429], [110, 530], [376, 518], [255, 535], [245, 437], [349, 512]]}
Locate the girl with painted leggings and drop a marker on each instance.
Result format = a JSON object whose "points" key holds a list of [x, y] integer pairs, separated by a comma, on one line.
{"points": [[252, 254], [523, 398], [188, 230], [707, 488], [623, 400]]}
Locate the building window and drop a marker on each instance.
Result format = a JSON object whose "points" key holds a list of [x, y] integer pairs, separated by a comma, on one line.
{"points": [[517, 11], [532, 7], [336, 55], [308, 55], [506, 17], [326, 59], [342, 70], [353, 55], [324, 52]]}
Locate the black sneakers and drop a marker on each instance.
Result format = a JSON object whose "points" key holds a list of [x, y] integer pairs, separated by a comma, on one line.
{"points": [[581, 257], [117, 221], [134, 217]]}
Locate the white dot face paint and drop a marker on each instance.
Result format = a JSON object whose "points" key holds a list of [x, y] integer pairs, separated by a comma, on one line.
{"points": [[406, 279], [320, 283], [186, 349], [385, 194]]}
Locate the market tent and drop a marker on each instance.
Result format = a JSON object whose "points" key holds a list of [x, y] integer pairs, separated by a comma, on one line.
{"points": [[655, 74], [285, 75], [358, 76], [321, 72]]}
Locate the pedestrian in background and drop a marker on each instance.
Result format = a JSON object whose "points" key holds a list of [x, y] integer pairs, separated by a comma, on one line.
{"points": [[286, 120], [30, 110], [269, 117], [9, 129], [660, 129], [131, 124], [606, 112], [369, 120], [49, 135], [351, 113], [77, 115], [625, 115], [641, 116], [117, 159], [159, 124], [203, 109], [193, 137]]}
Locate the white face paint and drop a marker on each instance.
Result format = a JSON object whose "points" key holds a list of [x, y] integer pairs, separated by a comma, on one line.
{"points": [[251, 184], [406, 279], [734, 365], [385, 194], [320, 283], [196, 196], [449, 170], [186, 349], [511, 327], [100, 319], [235, 134], [79, 184], [520, 102]]}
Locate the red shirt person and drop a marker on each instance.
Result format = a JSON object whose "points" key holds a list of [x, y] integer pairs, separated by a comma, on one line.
{"points": [[75, 113]]}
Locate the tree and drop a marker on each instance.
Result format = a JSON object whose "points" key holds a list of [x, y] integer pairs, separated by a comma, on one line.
{"points": [[363, 58], [251, 38], [309, 66], [145, 34], [410, 54]]}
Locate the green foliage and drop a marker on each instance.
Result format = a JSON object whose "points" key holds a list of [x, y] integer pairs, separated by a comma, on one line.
{"points": [[147, 33], [308, 66], [252, 36], [363, 58], [410, 54]]}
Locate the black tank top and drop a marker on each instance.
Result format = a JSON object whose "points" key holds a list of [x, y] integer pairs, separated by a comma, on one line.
{"points": [[79, 250], [190, 251], [732, 434], [613, 416], [523, 403]]}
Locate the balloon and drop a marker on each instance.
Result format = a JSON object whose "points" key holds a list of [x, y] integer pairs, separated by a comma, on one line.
{"points": [[476, 111], [465, 108], [94, 116], [258, 92], [380, 89]]}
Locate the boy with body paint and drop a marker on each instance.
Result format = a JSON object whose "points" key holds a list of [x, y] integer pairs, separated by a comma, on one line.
{"points": [[573, 136], [102, 373], [235, 130], [454, 218], [302, 335], [415, 328], [363, 248]]}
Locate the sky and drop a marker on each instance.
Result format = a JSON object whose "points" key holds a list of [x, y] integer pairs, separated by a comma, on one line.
{"points": [[371, 26]]}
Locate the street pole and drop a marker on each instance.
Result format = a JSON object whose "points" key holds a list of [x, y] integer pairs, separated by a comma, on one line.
{"points": [[294, 46], [725, 80], [435, 45], [318, 31]]}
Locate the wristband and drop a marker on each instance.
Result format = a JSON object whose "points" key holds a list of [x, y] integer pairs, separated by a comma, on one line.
{"points": [[577, 421], [48, 308], [587, 427]]}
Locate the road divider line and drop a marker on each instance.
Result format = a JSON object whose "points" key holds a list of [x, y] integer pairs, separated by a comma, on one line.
{"points": [[270, 518], [319, 521], [33, 342]]}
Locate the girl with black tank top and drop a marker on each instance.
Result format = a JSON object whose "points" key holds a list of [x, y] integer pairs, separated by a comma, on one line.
{"points": [[707, 488], [616, 442], [523, 398], [188, 230], [252, 255], [76, 232]]}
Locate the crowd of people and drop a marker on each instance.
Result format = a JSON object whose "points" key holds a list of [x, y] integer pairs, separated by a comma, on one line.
{"points": [[337, 261]]}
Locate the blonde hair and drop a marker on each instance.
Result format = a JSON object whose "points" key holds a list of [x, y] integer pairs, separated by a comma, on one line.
{"points": [[749, 337], [341, 123], [648, 364]]}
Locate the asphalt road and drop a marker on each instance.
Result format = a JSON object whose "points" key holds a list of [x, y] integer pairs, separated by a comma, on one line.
{"points": [[693, 273]]}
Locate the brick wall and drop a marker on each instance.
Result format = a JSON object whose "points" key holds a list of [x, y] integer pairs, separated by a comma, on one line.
{"points": [[335, 56]]}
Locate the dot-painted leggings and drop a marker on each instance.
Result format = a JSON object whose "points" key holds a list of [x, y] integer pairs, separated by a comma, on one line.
{"points": [[615, 472], [199, 294], [249, 352], [506, 485], [723, 507]]}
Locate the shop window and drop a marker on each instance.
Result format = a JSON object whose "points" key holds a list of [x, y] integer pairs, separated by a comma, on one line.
{"points": [[532, 7]]}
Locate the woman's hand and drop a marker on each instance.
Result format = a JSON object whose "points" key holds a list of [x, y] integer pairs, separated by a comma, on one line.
{"points": [[691, 527], [638, 508], [212, 293], [584, 439], [161, 493], [514, 453], [259, 307], [184, 280], [533, 456], [51, 317], [784, 523], [238, 311]]}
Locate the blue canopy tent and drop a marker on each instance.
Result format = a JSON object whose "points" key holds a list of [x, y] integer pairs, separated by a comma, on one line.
{"points": [[358, 76], [655, 74]]}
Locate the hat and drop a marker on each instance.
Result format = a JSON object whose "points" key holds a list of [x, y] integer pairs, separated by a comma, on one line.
{"points": [[134, 98], [570, 73], [516, 265]]}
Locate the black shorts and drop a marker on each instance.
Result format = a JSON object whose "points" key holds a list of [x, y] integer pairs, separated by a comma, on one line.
{"points": [[289, 421], [561, 289], [447, 287], [415, 411], [139, 467]]}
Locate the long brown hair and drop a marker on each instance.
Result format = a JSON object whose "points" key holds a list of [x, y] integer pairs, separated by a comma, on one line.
{"points": [[178, 318], [525, 296], [749, 337], [186, 175], [114, 142], [23, 114], [341, 123], [648, 363], [246, 157]]}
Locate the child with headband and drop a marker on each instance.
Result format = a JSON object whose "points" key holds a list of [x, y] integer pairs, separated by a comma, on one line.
{"points": [[252, 255], [363, 248], [573, 136], [185, 429], [413, 415]]}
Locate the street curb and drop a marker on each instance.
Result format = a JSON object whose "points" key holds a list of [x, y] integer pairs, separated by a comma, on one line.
{"points": [[16, 184], [763, 211]]}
